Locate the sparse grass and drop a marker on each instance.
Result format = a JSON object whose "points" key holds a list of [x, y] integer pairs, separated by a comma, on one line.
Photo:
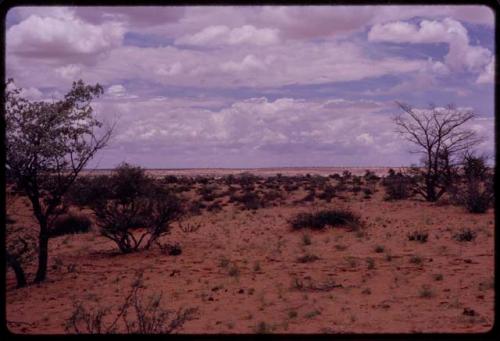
{"points": [[224, 262], [488, 284], [233, 271], [366, 291], [438, 277], [417, 260], [312, 314], [306, 239], [340, 247], [256, 266], [388, 257], [263, 328], [426, 292], [351, 261], [370, 263]]}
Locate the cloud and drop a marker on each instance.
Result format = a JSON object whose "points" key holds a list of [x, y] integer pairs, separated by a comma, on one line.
{"points": [[461, 54], [62, 36], [70, 71], [223, 35], [116, 90], [488, 74]]}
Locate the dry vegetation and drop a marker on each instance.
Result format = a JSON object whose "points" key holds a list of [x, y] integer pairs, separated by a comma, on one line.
{"points": [[253, 254]]}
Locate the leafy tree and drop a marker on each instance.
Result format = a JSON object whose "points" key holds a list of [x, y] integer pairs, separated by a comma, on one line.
{"points": [[130, 200], [440, 136], [47, 146]]}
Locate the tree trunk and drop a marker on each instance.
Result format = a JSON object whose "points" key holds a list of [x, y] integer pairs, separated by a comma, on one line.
{"points": [[18, 269], [43, 250]]}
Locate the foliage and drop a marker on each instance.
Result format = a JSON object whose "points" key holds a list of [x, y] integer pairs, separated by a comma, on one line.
{"points": [[134, 197], [47, 145], [397, 186], [475, 192], [70, 223]]}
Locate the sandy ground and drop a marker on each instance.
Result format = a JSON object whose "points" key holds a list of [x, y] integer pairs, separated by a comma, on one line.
{"points": [[381, 272]]}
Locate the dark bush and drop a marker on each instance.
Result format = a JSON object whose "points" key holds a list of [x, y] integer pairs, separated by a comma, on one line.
{"points": [[135, 199], [70, 223], [321, 219], [207, 192], [370, 176], [465, 235], [476, 192], [397, 186], [419, 236], [328, 193], [170, 179], [335, 176], [250, 200], [86, 190], [170, 249], [272, 196], [476, 200], [196, 207]]}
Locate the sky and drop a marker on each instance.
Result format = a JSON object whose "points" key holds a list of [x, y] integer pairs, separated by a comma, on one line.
{"points": [[259, 86]]}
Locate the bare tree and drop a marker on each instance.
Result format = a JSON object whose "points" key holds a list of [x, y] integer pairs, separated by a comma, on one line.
{"points": [[439, 134], [47, 146]]}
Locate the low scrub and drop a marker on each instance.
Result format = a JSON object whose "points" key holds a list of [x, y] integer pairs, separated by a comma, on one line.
{"points": [[70, 223], [465, 235], [136, 315], [419, 236], [397, 186], [321, 219]]}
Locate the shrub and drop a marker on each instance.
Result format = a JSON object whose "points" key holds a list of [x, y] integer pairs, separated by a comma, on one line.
{"points": [[134, 196], [476, 192], [250, 200], [138, 315], [465, 235], [397, 186], [415, 259], [321, 219], [307, 258], [418, 236], [70, 223], [328, 193], [426, 292], [476, 200], [88, 189], [170, 249]]}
